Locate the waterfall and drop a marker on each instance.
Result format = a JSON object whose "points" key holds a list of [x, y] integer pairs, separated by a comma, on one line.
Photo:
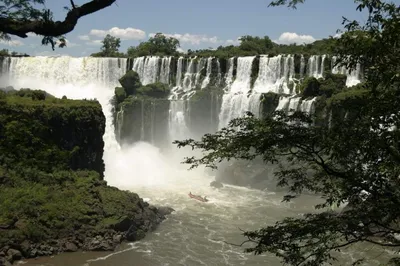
{"points": [[274, 74], [165, 70], [119, 123], [179, 72], [141, 120], [177, 121], [283, 104], [308, 105], [353, 78], [147, 68], [236, 101], [316, 66], [206, 81], [302, 66], [229, 74], [294, 105]]}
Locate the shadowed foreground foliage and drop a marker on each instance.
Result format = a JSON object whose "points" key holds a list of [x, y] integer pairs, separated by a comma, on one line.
{"points": [[354, 160]]}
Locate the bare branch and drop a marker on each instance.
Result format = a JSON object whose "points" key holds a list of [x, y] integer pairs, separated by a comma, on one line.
{"points": [[52, 28]]}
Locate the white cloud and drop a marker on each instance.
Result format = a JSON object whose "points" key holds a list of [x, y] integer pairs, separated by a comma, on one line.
{"points": [[124, 34], [11, 42], [179, 49], [94, 42], [48, 53], [84, 37], [337, 35], [191, 38], [233, 42], [291, 37], [32, 35]]}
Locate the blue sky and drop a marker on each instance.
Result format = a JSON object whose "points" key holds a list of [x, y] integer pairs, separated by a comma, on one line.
{"points": [[197, 24]]}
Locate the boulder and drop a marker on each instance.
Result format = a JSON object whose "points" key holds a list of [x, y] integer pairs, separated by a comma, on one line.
{"points": [[99, 243], [216, 184], [13, 255], [163, 211], [70, 247], [4, 262], [123, 224]]}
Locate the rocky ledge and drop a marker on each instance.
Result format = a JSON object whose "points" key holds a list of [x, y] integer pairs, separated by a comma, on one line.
{"points": [[128, 229]]}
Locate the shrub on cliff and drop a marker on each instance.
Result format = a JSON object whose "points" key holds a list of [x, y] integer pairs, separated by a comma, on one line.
{"points": [[130, 82], [310, 87], [155, 90]]}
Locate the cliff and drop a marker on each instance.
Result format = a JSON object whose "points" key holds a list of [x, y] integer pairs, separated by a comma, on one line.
{"points": [[52, 196]]}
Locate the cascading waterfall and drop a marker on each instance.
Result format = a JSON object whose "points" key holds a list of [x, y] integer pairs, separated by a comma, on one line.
{"points": [[353, 77], [302, 66], [236, 101], [165, 69], [147, 68], [308, 105], [274, 74], [206, 81], [177, 124], [229, 74], [316, 65]]}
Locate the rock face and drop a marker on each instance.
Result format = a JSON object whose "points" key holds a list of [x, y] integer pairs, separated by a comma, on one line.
{"points": [[51, 164], [216, 184]]}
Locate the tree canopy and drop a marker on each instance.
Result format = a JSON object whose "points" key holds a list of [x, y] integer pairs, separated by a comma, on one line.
{"points": [[353, 159], [20, 17], [110, 47], [159, 44]]}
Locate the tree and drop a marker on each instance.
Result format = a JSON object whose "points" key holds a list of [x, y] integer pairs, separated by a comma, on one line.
{"points": [[20, 17], [110, 46], [354, 160], [159, 44]]}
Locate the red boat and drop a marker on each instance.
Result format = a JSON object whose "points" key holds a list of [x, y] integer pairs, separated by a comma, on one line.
{"points": [[199, 198]]}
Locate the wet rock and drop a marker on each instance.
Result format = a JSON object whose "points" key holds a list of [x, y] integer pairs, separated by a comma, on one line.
{"points": [[70, 247], [163, 211], [13, 255], [117, 239], [25, 248], [4, 262], [216, 184], [123, 224], [99, 244]]}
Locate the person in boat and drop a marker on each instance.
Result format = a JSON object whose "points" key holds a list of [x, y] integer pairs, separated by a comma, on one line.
{"points": [[198, 197]]}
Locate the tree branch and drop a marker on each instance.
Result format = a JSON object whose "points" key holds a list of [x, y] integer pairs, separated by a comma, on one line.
{"points": [[52, 28]]}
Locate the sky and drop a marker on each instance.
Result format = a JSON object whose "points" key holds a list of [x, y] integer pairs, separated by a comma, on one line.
{"points": [[196, 24]]}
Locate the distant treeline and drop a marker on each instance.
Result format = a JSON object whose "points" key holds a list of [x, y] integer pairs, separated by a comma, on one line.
{"points": [[161, 45]]}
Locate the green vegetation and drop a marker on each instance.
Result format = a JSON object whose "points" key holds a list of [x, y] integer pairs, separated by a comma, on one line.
{"points": [[51, 178], [250, 45], [19, 17], [158, 45], [355, 159], [331, 84], [110, 47]]}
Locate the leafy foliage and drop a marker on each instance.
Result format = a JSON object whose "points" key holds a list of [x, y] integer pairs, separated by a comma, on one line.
{"points": [[110, 47], [355, 159], [253, 45], [159, 44]]}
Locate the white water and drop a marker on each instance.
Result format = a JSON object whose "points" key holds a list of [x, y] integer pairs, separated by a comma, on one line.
{"points": [[195, 233], [237, 101], [353, 77]]}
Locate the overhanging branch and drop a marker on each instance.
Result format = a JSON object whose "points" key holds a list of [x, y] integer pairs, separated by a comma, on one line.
{"points": [[52, 28]]}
